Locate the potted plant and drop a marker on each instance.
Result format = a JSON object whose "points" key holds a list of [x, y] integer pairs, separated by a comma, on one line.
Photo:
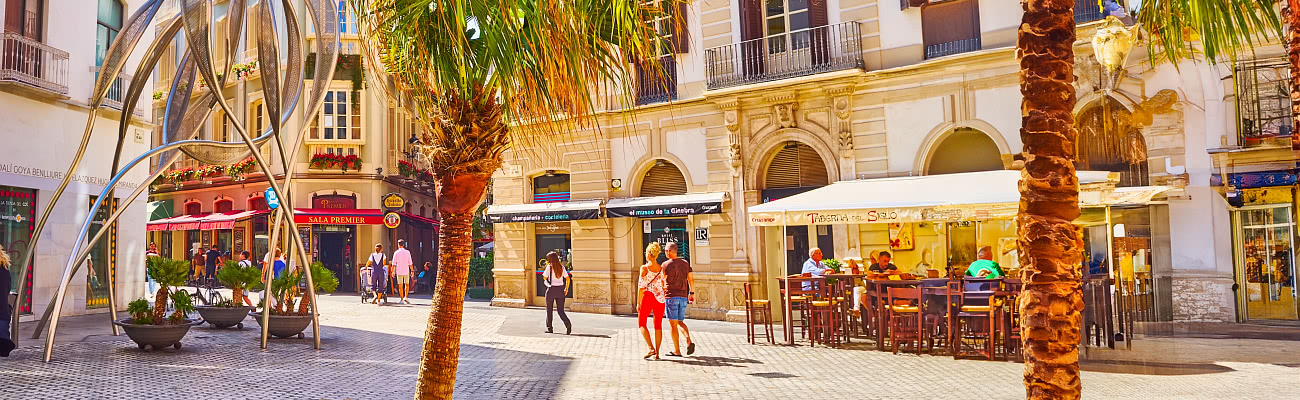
{"points": [[285, 320], [156, 329], [232, 312]]}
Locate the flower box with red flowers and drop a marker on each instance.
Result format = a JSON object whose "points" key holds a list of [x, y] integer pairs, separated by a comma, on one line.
{"points": [[331, 161]]}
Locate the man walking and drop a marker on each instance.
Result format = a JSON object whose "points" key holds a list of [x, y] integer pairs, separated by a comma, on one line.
{"points": [[212, 260], [401, 270], [377, 263], [680, 282]]}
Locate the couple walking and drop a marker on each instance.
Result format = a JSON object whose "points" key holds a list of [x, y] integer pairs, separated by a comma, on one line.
{"points": [[665, 289], [399, 269]]}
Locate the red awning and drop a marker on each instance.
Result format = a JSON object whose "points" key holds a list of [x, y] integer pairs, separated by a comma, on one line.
{"points": [[417, 218], [205, 222], [324, 216]]}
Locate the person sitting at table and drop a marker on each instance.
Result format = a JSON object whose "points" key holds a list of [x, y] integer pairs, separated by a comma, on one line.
{"points": [[984, 267], [883, 265], [813, 266]]}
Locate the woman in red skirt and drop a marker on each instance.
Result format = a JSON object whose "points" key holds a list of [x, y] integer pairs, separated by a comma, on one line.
{"points": [[650, 290]]}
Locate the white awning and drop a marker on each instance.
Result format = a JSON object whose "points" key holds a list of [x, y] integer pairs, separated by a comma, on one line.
{"points": [[666, 206], [544, 212], [949, 197]]}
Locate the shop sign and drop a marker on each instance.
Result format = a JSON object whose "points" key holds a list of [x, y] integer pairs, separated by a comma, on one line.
{"points": [[1261, 179], [675, 210], [701, 237], [338, 219], [549, 216], [886, 215], [334, 202], [272, 201], [218, 225], [392, 220], [184, 226], [394, 201], [1273, 195]]}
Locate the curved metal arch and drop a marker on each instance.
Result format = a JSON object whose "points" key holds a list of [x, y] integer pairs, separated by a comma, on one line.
{"points": [[182, 119]]}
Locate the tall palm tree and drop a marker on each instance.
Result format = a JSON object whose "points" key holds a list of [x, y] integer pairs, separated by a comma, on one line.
{"points": [[481, 75], [1049, 192]]}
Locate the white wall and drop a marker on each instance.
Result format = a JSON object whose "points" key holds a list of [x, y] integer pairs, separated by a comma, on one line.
{"points": [[1000, 107], [905, 130], [899, 28]]}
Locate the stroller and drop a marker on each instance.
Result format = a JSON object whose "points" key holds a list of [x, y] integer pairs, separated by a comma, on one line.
{"points": [[367, 292]]}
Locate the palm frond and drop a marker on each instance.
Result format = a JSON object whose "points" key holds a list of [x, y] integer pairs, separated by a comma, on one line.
{"points": [[167, 272], [1223, 28]]}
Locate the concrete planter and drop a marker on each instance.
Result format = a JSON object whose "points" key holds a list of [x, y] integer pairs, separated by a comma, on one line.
{"points": [[224, 317], [152, 337], [285, 326]]}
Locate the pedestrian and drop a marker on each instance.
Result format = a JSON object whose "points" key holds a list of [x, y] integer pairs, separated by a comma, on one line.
{"points": [[401, 270], [557, 287], [211, 261], [152, 251], [245, 262], [680, 281], [650, 291], [377, 263], [196, 261], [6, 343], [426, 276]]}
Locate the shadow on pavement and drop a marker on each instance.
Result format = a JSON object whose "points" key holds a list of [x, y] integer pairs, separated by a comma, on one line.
{"points": [[714, 361]]}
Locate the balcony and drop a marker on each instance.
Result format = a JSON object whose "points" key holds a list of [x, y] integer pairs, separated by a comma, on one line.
{"points": [[116, 91], [32, 64], [818, 50], [657, 83], [954, 47], [1263, 102]]}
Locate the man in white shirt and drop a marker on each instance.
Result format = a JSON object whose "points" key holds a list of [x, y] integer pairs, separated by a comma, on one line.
{"points": [[401, 270], [813, 266]]}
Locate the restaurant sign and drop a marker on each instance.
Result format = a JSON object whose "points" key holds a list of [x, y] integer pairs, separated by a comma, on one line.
{"points": [[393, 201], [339, 219], [673, 210], [884, 215]]}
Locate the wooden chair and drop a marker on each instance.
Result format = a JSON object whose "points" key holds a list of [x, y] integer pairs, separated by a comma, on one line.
{"points": [[825, 323], [799, 299], [757, 312], [934, 312], [904, 310], [976, 317], [1009, 326]]}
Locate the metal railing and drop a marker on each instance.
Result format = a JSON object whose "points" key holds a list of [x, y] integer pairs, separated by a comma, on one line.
{"points": [[657, 83], [28, 61], [822, 49], [1263, 101], [1086, 11], [954, 47], [116, 91]]}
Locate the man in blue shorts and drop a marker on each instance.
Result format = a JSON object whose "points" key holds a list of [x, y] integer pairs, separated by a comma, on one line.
{"points": [[680, 282]]}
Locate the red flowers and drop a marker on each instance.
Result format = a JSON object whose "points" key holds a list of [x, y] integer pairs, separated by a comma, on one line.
{"points": [[342, 162]]}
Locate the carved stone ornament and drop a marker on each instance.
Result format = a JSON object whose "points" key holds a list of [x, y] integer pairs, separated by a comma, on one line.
{"points": [[846, 139], [734, 153], [784, 115], [732, 120], [842, 107]]}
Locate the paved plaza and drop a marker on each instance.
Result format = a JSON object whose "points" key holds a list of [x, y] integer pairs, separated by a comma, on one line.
{"points": [[373, 353]]}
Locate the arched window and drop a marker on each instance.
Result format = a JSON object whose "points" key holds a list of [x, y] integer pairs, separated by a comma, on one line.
{"points": [[1108, 141], [193, 208], [223, 205], [795, 165], [964, 150], [257, 203], [663, 179]]}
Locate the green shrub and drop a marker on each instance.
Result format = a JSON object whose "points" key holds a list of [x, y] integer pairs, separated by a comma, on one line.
{"points": [[480, 271]]}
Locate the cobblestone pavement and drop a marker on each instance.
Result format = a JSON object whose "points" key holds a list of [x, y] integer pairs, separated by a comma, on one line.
{"points": [[373, 352]]}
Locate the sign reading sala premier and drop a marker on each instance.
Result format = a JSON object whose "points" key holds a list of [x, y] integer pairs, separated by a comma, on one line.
{"points": [[339, 219]]}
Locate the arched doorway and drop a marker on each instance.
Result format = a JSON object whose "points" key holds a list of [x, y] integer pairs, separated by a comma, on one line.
{"points": [[796, 168], [1108, 141], [964, 150], [663, 179]]}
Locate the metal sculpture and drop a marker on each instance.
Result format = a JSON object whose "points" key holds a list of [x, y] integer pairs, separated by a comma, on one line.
{"points": [[184, 115]]}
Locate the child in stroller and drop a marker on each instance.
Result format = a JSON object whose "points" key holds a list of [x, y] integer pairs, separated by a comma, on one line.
{"points": [[367, 292]]}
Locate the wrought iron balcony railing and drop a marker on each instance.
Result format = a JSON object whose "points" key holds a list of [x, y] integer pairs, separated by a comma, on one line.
{"points": [[818, 50], [116, 91], [29, 62], [954, 47], [1263, 102], [657, 83]]}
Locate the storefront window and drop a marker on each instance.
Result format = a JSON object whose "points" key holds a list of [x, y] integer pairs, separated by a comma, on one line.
{"points": [[551, 237], [1267, 262], [17, 222], [665, 231], [99, 264], [551, 188]]}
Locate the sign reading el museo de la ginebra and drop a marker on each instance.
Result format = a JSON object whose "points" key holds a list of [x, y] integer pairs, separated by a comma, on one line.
{"points": [[673, 210]]}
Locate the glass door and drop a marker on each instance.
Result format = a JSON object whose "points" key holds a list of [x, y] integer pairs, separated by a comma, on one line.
{"points": [[1266, 262], [546, 243], [99, 263]]}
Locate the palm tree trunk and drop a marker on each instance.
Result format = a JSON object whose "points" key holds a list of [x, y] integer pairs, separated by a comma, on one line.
{"points": [[236, 296], [160, 305], [304, 305], [458, 196], [1049, 242], [1291, 15]]}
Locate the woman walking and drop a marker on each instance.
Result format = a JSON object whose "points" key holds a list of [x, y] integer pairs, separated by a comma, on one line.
{"points": [[557, 287], [651, 289]]}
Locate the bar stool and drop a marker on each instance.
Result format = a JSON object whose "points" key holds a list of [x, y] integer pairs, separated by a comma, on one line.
{"points": [[825, 324], [757, 312], [976, 320], [905, 317]]}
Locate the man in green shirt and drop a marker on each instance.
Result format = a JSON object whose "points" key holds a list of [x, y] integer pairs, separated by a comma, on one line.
{"points": [[984, 267]]}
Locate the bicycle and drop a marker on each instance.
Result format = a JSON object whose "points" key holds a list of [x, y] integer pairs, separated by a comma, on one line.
{"points": [[213, 296]]}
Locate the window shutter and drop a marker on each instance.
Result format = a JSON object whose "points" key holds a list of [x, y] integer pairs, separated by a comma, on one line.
{"points": [[751, 19], [820, 33], [681, 31], [663, 180], [795, 166]]}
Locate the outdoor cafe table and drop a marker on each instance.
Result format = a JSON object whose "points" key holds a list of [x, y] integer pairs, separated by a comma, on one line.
{"points": [[786, 312]]}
